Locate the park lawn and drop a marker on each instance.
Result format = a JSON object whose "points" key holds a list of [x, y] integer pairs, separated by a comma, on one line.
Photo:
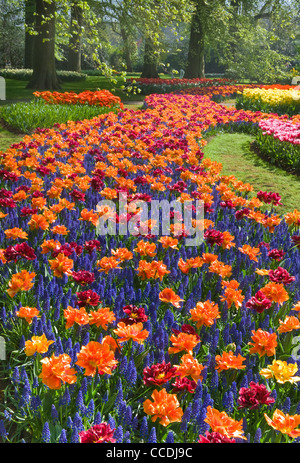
{"points": [[8, 138], [233, 151], [16, 89]]}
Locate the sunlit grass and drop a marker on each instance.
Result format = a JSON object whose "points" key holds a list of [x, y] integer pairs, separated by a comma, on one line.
{"points": [[26, 117], [7, 138], [234, 152], [16, 89]]}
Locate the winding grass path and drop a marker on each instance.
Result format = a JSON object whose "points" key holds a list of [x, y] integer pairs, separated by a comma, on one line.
{"points": [[233, 151]]}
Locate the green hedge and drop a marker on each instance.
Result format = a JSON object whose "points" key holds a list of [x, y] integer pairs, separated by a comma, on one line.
{"points": [[25, 74]]}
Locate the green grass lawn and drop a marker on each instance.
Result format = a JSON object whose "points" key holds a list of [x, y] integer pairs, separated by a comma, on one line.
{"points": [[8, 138], [16, 89], [233, 151]]}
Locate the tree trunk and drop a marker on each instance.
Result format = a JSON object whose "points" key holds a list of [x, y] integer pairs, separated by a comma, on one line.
{"points": [[150, 61], [74, 56], [195, 62], [233, 27], [44, 75], [29, 38], [126, 48]]}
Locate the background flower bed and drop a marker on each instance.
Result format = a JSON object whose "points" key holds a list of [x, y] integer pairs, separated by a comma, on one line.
{"points": [[64, 172], [44, 112], [279, 142], [273, 100], [149, 86]]}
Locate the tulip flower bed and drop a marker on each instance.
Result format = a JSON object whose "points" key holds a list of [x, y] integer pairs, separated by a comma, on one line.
{"points": [[136, 337], [218, 93], [280, 100], [279, 141], [49, 108], [149, 86], [98, 98]]}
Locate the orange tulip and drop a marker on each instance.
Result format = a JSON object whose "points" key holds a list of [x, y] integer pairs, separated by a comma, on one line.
{"points": [[96, 357], [38, 344], [232, 295], [169, 296], [49, 246], [183, 342], [227, 240], [154, 269], [60, 265], [112, 344], [89, 216], [28, 313], [252, 253], [220, 269], [284, 423], [222, 423], [79, 316], [2, 257], [288, 324], [134, 332], [109, 193], [101, 317], [209, 258], [108, 263], [229, 361], [122, 254], [168, 242], [264, 343], [14, 233], [292, 218], [145, 248], [164, 407], [193, 262], [60, 230], [56, 370], [276, 292], [38, 221], [297, 307], [21, 281], [189, 366], [205, 313], [38, 203]]}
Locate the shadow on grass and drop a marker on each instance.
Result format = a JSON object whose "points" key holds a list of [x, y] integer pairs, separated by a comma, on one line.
{"points": [[236, 153], [252, 154]]}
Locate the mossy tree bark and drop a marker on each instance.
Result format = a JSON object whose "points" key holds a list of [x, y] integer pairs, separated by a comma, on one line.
{"points": [[126, 48], [29, 38], [74, 54], [196, 59], [44, 75], [150, 61]]}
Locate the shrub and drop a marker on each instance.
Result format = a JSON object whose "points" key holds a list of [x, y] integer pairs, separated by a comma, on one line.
{"points": [[25, 74]]}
